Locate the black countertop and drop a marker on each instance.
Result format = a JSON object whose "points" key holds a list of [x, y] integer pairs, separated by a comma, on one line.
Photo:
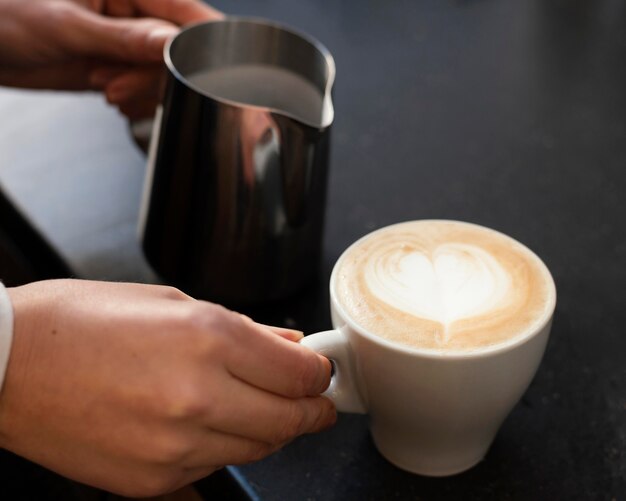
{"points": [[510, 114]]}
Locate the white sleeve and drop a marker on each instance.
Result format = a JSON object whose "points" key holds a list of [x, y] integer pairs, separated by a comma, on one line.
{"points": [[6, 331]]}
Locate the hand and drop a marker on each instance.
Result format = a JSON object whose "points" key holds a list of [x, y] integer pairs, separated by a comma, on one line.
{"points": [[89, 44], [140, 389]]}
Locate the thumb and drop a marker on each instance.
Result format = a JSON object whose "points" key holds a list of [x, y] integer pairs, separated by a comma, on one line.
{"points": [[120, 39]]}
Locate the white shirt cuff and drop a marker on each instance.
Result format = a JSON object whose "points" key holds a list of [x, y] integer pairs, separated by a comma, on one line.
{"points": [[6, 331]]}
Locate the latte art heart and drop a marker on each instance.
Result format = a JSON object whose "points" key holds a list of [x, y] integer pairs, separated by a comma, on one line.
{"points": [[453, 282], [443, 285]]}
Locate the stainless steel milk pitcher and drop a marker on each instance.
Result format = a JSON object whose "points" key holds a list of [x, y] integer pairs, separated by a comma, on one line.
{"points": [[234, 199]]}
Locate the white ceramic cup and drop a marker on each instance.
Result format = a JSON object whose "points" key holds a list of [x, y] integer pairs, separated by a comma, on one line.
{"points": [[431, 413]]}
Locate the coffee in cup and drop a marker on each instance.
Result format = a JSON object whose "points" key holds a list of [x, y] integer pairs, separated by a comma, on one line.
{"points": [[446, 286], [439, 327]]}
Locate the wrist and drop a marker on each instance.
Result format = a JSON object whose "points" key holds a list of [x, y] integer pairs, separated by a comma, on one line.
{"points": [[6, 341], [21, 359], [6, 331]]}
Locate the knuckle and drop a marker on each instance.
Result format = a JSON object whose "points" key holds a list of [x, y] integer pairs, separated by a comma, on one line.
{"points": [[65, 13], [327, 414], [203, 316], [168, 451], [306, 416], [164, 450], [130, 39], [185, 401], [294, 424], [211, 327], [136, 36], [191, 317], [258, 451], [201, 330], [62, 22], [307, 377], [169, 292]]}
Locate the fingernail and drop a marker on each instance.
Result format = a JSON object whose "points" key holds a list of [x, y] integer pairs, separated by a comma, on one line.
{"points": [[290, 334], [294, 335], [284, 332]]}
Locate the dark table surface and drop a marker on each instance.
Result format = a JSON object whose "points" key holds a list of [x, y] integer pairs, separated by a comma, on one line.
{"points": [[510, 114]]}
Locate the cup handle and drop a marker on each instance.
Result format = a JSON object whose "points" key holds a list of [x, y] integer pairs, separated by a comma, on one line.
{"points": [[343, 390]]}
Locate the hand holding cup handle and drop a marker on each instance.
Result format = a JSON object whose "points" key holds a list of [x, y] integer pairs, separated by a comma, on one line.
{"points": [[343, 389]]}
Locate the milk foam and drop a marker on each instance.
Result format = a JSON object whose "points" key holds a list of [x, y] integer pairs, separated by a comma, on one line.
{"points": [[443, 285], [267, 86], [455, 281]]}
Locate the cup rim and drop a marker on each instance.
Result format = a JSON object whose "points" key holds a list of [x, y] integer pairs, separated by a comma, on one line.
{"points": [[319, 46], [499, 348]]}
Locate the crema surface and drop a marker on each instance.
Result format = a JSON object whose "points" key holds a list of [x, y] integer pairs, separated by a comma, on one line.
{"points": [[443, 285]]}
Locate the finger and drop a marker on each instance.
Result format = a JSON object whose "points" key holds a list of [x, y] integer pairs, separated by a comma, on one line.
{"points": [[139, 110], [136, 92], [272, 363], [140, 83], [217, 449], [289, 334], [102, 76], [64, 76], [119, 8], [259, 415], [178, 11], [124, 40]]}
